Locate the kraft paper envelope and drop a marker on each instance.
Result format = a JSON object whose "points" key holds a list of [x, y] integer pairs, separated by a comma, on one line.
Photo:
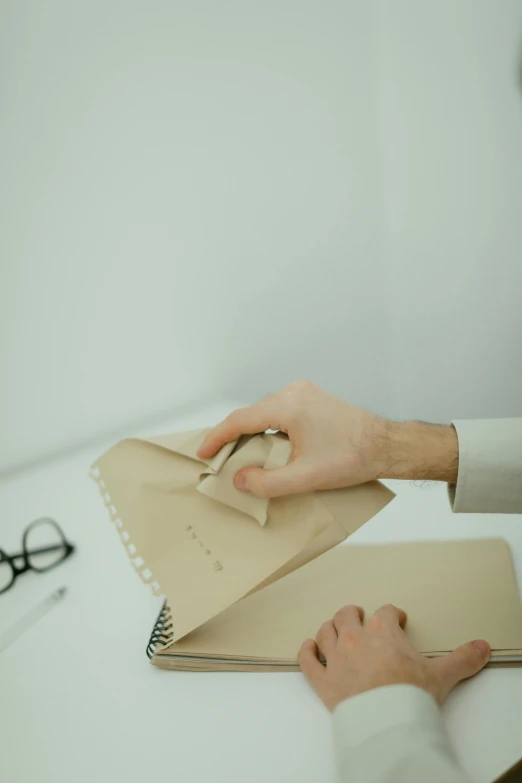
{"points": [[453, 592], [193, 536]]}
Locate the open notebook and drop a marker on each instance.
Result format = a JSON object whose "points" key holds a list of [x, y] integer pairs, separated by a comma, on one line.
{"points": [[194, 537], [453, 592]]}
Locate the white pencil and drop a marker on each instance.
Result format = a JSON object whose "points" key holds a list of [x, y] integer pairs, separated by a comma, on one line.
{"points": [[29, 619]]}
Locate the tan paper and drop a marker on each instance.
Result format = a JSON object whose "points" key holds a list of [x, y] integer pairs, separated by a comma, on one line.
{"points": [[193, 536], [453, 592]]}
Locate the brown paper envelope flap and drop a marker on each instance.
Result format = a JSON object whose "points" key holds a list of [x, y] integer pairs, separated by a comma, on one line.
{"points": [[269, 451], [264, 451], [188, 443], [353, 506]]}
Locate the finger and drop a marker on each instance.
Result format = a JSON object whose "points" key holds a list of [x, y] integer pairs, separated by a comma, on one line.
{"points": [[460, 664], [327, 638], [297, 476], [309, 662], [392, 616], [348, 618], [244, 421]]}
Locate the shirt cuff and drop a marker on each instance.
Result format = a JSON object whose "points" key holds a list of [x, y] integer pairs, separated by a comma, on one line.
{"points": [[374, 712], [394, 733], [490, 467]]}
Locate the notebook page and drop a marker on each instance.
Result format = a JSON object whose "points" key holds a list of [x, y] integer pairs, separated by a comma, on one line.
{"points": [[453, 591]]}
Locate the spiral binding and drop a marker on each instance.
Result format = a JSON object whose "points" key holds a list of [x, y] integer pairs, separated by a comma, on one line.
{"points": [[162, 631]]}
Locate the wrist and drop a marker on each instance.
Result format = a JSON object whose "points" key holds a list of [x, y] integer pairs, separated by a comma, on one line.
{"points": [[418, 451]]}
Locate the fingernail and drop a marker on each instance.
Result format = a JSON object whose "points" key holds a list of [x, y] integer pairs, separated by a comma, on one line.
{"points": [[482, 648], [241, 482]]}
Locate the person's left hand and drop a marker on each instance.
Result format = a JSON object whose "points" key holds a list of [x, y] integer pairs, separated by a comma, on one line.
{"points": [[360, 658]]}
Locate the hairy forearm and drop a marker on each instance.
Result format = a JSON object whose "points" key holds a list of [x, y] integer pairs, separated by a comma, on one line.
{"points": [[418, 451]]}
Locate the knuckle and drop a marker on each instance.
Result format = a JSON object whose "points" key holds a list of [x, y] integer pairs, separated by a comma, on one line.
{"points": [[323, 630], [299, 389], [293, 400], [301, 383], [344, 613], [347, 637], [377, 623], [234, 417]]}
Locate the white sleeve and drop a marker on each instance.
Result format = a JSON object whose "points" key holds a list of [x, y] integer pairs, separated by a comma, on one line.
{"points": [[490, 467], [393, 734]]}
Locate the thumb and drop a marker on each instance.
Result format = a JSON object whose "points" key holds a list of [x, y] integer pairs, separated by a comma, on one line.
{"points": [[295, 477], [460, 664]]}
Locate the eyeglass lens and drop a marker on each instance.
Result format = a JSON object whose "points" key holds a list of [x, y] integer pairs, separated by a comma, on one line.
{"points": [[44, 544]]}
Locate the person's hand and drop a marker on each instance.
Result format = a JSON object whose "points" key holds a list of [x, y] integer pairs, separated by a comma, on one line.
{"points": [[335, 444], [360, 658]]}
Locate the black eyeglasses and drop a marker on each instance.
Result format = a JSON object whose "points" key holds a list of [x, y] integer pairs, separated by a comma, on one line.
{"points": [[44, 546]]}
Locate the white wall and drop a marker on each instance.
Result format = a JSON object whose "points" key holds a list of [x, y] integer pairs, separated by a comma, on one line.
{"points": [[451, 131], [207, 198]]}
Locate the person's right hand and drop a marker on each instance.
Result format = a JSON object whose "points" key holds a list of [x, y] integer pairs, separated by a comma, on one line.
{"points": [[335, 444]]}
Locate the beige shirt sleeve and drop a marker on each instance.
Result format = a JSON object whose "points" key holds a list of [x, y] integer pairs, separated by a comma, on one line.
{"points": [[490, 467], [393, 734]]}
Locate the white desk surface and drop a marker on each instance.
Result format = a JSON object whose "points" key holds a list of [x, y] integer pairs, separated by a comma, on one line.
{"points": [[80, 701]]}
